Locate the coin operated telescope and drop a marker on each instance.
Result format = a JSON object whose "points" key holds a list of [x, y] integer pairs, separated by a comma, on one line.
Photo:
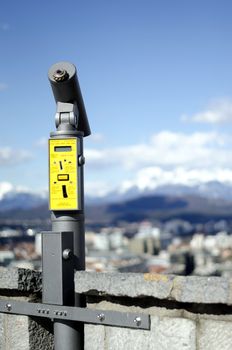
{"points": [[66, 198], [63, 248], [66, 143]]}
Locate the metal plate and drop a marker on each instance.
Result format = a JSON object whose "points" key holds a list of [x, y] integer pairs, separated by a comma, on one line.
{"points": [[63, 174], [103, 317], [58, 273]]}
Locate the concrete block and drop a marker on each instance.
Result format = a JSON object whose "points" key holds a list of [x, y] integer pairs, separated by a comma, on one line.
{"points": [[124, 284], [174, 334], [20, 279], [214, 335], [16, 335], [21, 332], [126, 339], [9, 278], [94, 337], [1, 331], [205, 290]]}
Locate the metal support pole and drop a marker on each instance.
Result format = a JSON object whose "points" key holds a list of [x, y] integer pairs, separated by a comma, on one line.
{"points": [[69, 335]]}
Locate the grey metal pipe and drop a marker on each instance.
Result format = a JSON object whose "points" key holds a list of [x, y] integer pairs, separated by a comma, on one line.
{"points": [[68, 335]]}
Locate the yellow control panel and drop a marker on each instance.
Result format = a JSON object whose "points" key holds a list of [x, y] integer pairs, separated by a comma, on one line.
{"points": [[63, 174]]}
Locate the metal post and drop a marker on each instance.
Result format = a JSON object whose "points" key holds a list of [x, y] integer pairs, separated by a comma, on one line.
{"points": [[69, 335], [67, 215]]}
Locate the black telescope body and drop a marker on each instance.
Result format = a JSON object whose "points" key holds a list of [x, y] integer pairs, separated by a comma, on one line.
{"points": [[65, 87]]}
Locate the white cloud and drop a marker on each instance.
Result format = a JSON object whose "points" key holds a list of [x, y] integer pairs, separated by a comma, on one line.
{"points": [[166, 149], [219, 111], [5, 187], [98, 188], [9, 156], [150, 178], [167, 158], [153, 177]]}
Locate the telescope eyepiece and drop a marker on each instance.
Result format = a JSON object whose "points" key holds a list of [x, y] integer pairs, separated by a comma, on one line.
{"points": [[66, 88]]}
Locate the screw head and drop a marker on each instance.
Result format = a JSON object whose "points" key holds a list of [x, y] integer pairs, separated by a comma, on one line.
{"points": [[138, 321], [8, 307], [101, 317], [67, 253], [81, 160]]}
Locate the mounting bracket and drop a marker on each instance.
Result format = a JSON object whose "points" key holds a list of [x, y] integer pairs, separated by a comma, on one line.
{"points": [[86, 315]]}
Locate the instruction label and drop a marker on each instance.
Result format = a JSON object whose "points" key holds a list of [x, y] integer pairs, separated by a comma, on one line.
{"points": [[63, 174]]}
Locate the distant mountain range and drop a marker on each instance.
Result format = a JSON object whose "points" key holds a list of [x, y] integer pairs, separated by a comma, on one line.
{"points": [[21, 200], [212, 189], [192, 208], [198, 203]]}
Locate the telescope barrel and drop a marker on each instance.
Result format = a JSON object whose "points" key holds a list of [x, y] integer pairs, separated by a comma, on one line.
{"points": [[65, 87]]}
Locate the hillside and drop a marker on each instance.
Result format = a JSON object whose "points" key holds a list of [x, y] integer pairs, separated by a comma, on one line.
{"points": [[150, 207], [191, 208]]}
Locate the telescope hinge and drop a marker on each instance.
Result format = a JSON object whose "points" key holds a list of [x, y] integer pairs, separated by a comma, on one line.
{"points": [[66, 115]]}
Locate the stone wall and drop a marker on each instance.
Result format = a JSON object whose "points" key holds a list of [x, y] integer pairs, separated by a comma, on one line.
{"points": [[22, 332], [187, 313]]}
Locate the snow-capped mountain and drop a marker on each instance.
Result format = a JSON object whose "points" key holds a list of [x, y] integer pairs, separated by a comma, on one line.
{"points": [[18, 198], [22, 199], [212, 189]]}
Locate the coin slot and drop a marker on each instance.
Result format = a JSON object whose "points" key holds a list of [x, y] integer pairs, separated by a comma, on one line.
{"points": [[63, 177]]}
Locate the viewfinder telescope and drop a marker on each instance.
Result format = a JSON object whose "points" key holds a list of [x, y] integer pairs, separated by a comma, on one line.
{"points": [[65, 87]]}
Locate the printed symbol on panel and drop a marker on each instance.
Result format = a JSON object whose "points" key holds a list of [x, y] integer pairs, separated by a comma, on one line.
{"points": [[63, 177], [64, 191]]}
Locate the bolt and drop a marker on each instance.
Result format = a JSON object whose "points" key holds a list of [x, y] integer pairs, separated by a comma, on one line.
{"points": [[101, 317], [138, 321], [67, 253], [8, 307], [81, 160], [60, 75]]}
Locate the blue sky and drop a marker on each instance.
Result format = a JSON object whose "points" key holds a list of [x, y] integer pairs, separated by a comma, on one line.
{"points": [[156, 77]]}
